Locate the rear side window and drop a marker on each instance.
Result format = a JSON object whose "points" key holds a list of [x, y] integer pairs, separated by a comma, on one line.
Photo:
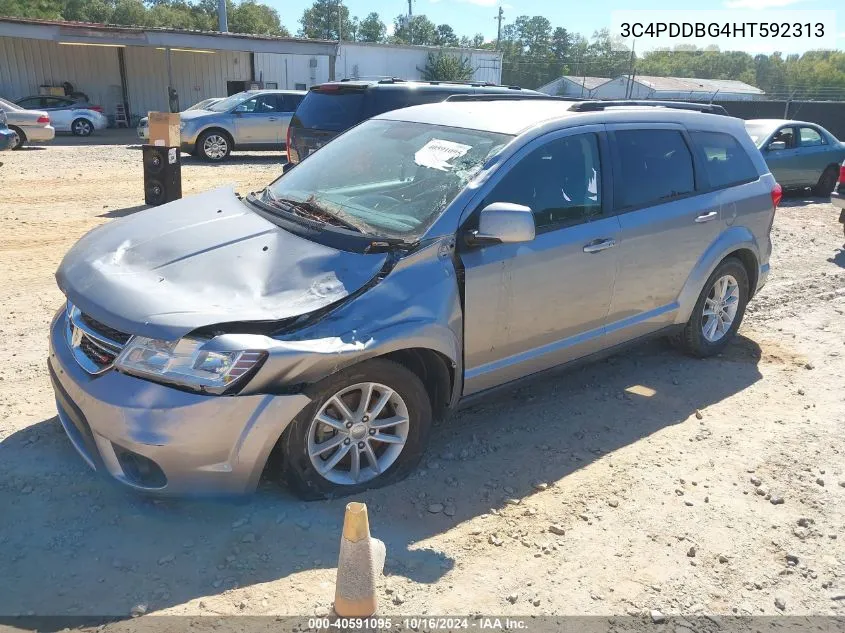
{"points": [[290, 102], [810, 137], [334, 110], [725, 160], [387, 100], [656, 167]]}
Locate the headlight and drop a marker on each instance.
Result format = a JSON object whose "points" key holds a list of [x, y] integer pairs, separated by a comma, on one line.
{"points": [[186, 363], [182, 125]]}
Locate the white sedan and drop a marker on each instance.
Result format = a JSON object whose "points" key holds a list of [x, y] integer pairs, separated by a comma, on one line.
{"points": [[67, 115]]}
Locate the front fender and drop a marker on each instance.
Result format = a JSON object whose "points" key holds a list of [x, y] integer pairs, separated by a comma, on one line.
{"points": [[415, 306], [734, 239]]}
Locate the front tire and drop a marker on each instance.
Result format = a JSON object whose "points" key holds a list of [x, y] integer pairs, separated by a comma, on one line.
{"points": [[827, 181], [20, 138], [82, 127], [366, 427], [214, 146], [718, 312]]}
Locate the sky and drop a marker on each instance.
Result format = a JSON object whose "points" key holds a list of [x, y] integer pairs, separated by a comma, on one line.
{"points": [[468, 17]]}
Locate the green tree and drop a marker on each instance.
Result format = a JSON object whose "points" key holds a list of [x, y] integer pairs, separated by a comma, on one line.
{"points": [[251, 16], [129, 12], [444, 35], [418, 30], [372, 29], [42, 9], [321, 21], [446, 67]]}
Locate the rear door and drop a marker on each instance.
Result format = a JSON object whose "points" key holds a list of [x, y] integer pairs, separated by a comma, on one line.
{"points": [[533, 305], [323, 114], [667, 217], [813, 154]]}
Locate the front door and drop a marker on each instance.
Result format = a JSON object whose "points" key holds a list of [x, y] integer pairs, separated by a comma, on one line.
{"points": [[784, 163], [813, 156], [257, 122], [534, 305]]}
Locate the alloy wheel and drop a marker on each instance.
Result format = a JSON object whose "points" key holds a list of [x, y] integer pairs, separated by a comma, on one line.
{"points": [[720, 308], [82, 127], [215, 146], [358, 433]]}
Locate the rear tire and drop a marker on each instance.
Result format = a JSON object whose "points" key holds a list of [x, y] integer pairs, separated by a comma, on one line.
{"points": [[82, 127], [301, 440], [21, 137], [827, 181], [707, 333]]}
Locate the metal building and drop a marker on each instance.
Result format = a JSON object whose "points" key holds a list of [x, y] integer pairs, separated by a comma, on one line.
{"points": [[690, 88], [135, 65]]}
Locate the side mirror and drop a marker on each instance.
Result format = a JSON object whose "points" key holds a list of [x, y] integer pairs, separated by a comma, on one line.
{"points": [[776, 146], [287, 167], [503, 223]]}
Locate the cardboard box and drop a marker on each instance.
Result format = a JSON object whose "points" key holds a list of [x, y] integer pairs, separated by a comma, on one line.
{"points": [[53, 91], [164, 129]]}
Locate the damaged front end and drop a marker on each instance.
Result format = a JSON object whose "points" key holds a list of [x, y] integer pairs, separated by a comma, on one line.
{"points": [[216, 299]]}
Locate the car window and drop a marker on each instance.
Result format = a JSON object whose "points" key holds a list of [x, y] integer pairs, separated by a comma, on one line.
{"points": [[810, 137], [30, 103], [249, 105], [268, 103], [560, 182], [335, 109], [656, 166], [785, 135], [290, 102], [725, 160], [387, 100]]}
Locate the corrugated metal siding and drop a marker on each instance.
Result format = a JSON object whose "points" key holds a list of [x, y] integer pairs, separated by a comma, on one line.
{"points": [[361, 60], [25, 64], [286, 71], [196, 76]]}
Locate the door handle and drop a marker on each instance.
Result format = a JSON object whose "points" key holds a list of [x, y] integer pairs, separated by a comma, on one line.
{"points": [[707, 217], [272, 118], [599, 245]]}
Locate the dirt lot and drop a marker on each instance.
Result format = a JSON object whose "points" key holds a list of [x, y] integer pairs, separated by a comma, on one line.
{"points": [[665, 502]]}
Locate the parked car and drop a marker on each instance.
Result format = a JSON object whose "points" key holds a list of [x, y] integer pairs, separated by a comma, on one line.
{"points": [[7, 137], [68, 115], [425, 256], [27, 125], [330, 108], [799, 154], [837, 196], [144, 122], [250, 120]]}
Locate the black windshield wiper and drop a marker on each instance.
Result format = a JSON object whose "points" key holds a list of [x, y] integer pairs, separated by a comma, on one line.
{"points": [[309, 210]]}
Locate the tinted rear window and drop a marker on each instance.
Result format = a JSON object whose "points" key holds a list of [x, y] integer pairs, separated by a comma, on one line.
{"points": [[656, 167], [725, 161], [335, 110]]}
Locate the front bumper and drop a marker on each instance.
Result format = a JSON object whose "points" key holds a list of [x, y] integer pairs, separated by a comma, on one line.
{"points": [[39, 133], [162, 440]]}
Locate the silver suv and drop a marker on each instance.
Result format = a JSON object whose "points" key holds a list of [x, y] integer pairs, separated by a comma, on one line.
{"points": [[426, 255], [250, 120]]}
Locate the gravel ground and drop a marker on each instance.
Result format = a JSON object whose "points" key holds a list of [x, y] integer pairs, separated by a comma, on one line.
{"points": [[722, 493]]}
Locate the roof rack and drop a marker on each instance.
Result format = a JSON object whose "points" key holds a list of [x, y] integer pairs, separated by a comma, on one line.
{"points": [[502, 96], [593, 106]]}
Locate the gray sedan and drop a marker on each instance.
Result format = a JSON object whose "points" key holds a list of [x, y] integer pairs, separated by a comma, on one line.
{"points": [[251, 120]]}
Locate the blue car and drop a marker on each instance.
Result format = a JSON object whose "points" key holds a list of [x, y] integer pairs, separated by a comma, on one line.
{"points": [[7, 137]]}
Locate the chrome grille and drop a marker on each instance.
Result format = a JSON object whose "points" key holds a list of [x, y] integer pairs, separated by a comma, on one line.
{"points": [[95, 346]]}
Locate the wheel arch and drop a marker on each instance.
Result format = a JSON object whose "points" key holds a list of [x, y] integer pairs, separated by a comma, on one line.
{"points": [[435, 371], [216, 127], [737, 242]]}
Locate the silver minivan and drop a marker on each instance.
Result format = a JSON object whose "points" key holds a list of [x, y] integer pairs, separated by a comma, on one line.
{"points": [[424, 256], [249, 120]]}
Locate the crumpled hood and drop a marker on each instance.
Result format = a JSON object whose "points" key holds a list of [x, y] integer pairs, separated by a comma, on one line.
{"points": [[203, 260]]}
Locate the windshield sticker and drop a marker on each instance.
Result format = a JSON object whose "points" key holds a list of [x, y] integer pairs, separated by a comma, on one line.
{"points": [[437, 153]]}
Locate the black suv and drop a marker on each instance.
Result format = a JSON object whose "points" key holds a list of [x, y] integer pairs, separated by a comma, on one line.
{"points": [[330, 108]]}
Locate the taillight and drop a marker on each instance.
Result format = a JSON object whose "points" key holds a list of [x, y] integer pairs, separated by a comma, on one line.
{"points": [[842, 174], [293, 157], [44, 119], [777, 195], [96, 108]]}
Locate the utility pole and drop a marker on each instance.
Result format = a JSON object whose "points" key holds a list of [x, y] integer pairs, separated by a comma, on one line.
{"points": [[410, 21], [499, 17]]}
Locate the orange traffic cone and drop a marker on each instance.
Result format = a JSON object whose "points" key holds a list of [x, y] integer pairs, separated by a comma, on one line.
{"points": [[360, 563]]}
